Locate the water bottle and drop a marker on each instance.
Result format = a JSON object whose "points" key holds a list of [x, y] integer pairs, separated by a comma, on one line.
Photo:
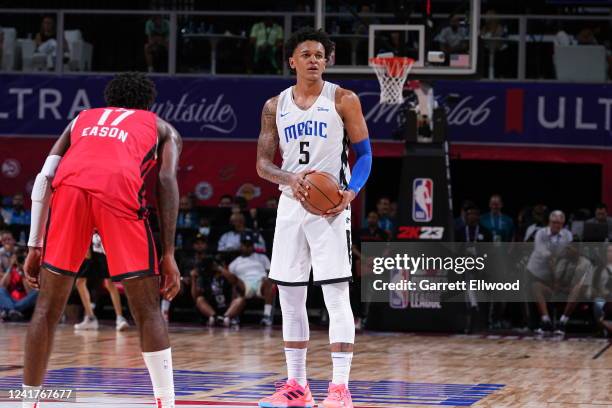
{"points": [[179, 241]]}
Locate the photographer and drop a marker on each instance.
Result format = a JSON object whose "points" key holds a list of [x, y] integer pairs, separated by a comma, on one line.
{"points": [[16, 296], [212, 293], [188, 261]]}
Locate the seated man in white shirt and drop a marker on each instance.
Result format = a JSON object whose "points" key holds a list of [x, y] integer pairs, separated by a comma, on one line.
{"points": [[230, 241], [251, 272], [549, 245]]}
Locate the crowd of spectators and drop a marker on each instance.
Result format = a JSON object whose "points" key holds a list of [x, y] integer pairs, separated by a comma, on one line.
{"points": [[246, 45], [223, 254]]}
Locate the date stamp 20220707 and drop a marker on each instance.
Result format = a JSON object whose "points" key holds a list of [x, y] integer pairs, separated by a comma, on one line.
{"points": [[64, 394]]}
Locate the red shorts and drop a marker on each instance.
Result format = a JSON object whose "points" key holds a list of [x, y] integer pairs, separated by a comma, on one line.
{"points": [[73, 216]]}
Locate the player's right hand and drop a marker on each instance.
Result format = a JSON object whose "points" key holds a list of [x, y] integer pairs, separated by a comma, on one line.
{"points": [[171, 278], [298, 185], [31, 267]]}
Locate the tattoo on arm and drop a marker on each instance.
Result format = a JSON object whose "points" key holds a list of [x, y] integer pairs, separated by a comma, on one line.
{"points": [[267, 146]]}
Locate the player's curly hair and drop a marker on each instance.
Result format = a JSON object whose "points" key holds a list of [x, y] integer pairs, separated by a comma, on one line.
{"points": [[132, 90], [309, 34]]}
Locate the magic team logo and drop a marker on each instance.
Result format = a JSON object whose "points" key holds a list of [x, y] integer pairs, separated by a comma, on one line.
{"points": [[422, 200]]}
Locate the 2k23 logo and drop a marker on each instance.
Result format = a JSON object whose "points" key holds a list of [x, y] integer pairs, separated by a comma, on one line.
{"points": [[410, 232]]}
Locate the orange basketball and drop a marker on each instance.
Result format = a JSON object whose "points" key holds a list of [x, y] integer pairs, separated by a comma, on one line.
{"points": [[323, 193]]}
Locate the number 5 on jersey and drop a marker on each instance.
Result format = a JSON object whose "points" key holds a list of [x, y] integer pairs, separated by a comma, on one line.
{"points": [[305, 154]]}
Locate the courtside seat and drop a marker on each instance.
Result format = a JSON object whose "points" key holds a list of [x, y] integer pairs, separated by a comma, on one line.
{"points": [[9, 49]]}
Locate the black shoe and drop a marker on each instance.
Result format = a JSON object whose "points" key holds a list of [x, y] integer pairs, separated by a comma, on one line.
{"points": [[15, 316], [266, 321], [560, 329], [545, 328]]}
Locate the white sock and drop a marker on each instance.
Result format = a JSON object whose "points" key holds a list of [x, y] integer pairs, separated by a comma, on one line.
{"points": [[563, 319], [159, 364], [545, 318], [296, 365], [267, 310], [165, 306], [342, 367], [30, 404]]}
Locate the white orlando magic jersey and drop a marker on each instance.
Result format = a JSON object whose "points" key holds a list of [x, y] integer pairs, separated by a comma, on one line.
{"points": [[312, 139]]}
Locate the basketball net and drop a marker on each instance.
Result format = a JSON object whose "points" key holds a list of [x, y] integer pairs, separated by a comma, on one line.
{"points": [[391, 73]]}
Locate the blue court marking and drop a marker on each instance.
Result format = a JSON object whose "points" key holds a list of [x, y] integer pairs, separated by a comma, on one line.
{"points": [[395, 393], [136, 382]]}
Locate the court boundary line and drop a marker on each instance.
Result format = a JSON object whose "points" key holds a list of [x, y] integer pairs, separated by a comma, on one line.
{"points": [[603, 350]]}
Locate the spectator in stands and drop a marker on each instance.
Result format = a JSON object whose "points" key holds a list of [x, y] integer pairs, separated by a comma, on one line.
{"points": [[198, 255], [573, 275], [250, 277], [1, 45], [603, 297], [586, 37], [157, 30], [372, 231], [500, 225], [549, 244], [601, 217], [473, 231], [272, 202], [46, 41], [453, 39], [538, 218], [383, 208], [230, 241], [204, 228], [95, 267], [490, 31], [212, 294], [17, 214], [16, 296], [187, 217], [226, 201], [267, 41], [189, 261], [460, 220], [362, 24], [6, 252]]}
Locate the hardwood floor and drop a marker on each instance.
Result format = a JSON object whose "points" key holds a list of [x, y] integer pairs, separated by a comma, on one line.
{"points": [[222, 367]]}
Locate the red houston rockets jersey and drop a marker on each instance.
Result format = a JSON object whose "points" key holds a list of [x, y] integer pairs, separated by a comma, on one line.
{"points": [[111, 150]]}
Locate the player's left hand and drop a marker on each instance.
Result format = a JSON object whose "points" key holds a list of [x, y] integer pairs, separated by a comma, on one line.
{"points": [[171, 277], [31, 267], [347, 197]]}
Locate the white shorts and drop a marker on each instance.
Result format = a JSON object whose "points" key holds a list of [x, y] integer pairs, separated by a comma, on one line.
{"points": [[302, 240], [252, 287]]}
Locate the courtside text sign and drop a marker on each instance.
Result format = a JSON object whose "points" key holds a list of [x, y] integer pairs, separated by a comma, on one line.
{"points": [[230, 108]]}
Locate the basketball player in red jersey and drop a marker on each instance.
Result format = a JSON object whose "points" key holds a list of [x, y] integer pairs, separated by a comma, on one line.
{"points": [[94, 178]]}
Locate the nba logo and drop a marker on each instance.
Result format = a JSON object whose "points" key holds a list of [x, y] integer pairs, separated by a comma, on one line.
{"points": [[422, 199]]}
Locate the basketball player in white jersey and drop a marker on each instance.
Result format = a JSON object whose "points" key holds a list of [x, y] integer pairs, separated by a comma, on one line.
{"points": [[313, 123]]}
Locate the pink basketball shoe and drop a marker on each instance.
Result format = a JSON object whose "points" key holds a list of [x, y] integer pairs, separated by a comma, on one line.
{"points": [[338, 397], [289, 394]]}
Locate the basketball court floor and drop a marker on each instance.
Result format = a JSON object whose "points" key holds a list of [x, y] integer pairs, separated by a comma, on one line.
{"points": [[229, 368]]}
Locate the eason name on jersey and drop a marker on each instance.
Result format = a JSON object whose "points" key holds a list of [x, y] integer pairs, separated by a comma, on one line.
{"points": [[105, 131], [306, 128]]}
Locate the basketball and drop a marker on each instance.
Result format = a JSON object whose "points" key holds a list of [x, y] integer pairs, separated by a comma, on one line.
{"points": [[323, 193]]}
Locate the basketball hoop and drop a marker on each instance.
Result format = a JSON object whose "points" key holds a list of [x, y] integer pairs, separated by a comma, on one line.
{"points": [[392, 73]]}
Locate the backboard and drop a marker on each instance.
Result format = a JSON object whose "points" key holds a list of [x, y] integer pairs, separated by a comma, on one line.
{"points": [[441, 36]]}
